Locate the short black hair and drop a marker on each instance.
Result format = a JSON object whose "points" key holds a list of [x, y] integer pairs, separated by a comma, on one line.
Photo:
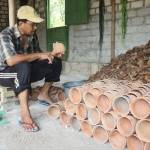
{"points": [[21, 20]]}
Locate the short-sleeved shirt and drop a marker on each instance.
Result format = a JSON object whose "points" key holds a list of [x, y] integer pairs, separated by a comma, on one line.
{"points": [[10, 45]]}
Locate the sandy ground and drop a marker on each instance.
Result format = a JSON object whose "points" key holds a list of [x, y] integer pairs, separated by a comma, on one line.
{"points": [[52, 135]]}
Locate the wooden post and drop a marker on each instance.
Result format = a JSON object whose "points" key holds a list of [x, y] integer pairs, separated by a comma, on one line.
{"points": [[113, 22], [12, 12]]}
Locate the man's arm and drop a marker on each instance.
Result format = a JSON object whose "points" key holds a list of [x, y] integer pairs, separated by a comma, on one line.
{"points": [[13, 60]]}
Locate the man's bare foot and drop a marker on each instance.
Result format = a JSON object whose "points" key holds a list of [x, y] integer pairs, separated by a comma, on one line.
{"points": [[44, 97]]}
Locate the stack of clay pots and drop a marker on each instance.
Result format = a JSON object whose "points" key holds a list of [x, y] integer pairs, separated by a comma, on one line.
{"points": [[114, 111]]}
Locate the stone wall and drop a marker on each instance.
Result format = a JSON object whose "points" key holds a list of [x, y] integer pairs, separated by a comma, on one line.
{"points": [[84, 54], [4, 21]]}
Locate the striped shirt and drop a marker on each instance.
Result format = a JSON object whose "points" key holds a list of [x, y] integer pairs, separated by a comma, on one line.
{"points": [[10, 45]]}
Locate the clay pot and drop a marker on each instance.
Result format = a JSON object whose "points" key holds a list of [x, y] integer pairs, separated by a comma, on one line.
{"points": [[100, 135], [81, 111], [75, 95], [96, 91], [126, 125], [56, 94], [75, 123], [143, 90], [143, 130], [54, 111], [86, 128], [89, 100], [94, 116], [147, 146], [116, 140], [64, 119], [121, 105], [146, 87], [104, 101], [140, 108], [69, 107], [109, 120], [136, 92], [134, 143]]}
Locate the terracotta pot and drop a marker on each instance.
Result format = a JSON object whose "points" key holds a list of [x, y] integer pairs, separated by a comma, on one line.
{"points": [[100, 135], [96, 91], [64, 119], [56, 94], [75, 95], [146, 87], [143, 130], [81, 111], [136, 92], [61, 96], [109, 120], [69, 107], [143, 90], [121, 105], [104, 101], [90, 100], [134, 143], [75, 123], [54, 111], [140, 107], [147, 146], [135, 84], [126, 125], [86, 128], [94, 116], [116, 140]]}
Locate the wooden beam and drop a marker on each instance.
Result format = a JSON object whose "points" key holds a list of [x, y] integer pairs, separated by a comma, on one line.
{"points": [[113, 22], [12, 12]]}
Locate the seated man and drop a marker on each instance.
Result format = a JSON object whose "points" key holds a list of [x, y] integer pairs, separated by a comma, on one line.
{"points": [[20, 53]]}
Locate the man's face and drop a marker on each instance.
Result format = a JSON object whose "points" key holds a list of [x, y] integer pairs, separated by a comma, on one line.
{"points": [[29, 28]]}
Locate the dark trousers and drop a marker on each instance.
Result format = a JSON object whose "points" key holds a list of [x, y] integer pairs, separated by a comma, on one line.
{"points": [[28, 72]]}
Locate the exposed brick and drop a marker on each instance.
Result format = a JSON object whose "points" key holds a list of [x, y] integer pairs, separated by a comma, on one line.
{"points": [[92, 11], [143, 12], [147, 3], [132, 13], [137, 4], [147, 20], [117, 1], [107, 2], [138, 21], [95, 4], [97, 11], [109, 9]]}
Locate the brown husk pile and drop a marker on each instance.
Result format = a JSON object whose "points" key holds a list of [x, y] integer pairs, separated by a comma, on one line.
{"points": [[133, 65]]}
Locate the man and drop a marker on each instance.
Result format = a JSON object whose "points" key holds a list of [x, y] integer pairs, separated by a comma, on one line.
{"points": [[20, 53]]}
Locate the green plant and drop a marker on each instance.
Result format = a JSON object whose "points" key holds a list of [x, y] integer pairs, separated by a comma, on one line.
{"points": [[123, 18], [101, 21]]}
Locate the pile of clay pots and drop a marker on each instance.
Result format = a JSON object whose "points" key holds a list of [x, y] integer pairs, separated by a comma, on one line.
{"points": [[114, 111]]}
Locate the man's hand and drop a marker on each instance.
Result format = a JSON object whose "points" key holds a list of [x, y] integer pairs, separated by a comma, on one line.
{"points": [[46, 55], [58, 49]]}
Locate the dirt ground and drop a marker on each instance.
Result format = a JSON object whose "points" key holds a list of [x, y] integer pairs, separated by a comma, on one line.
{"points": [[52, 135]]}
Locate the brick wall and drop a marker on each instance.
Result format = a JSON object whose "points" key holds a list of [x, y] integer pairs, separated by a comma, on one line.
{"points": [[4, 21], [83, 39], [84, 53]]}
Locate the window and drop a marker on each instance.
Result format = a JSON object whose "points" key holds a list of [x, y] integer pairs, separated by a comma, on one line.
{"points": [[56, 13], [60, 14]]}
